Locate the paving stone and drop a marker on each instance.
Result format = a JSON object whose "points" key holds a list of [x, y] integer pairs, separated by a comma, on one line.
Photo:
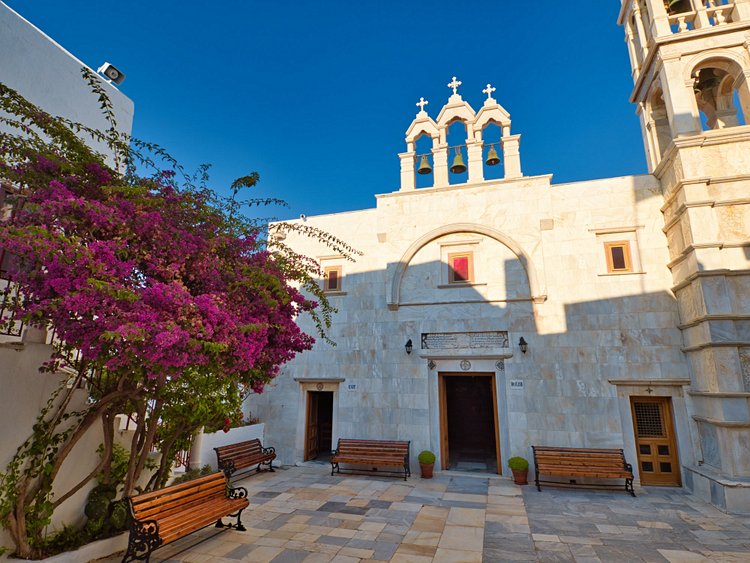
{"points": [[384, 551], [301, 514], [379, 504], [266, 494], [290, 556], [239, 552], [333, 540], [497, 556]]}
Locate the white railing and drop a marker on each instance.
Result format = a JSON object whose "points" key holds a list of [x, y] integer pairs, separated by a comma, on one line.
{"points": [[708, 13], [718, 13]]}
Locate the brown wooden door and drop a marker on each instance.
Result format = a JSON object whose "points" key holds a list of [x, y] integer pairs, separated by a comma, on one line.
{"points": [[312, 440], [444, 452], [447, 427], [655, 441]]}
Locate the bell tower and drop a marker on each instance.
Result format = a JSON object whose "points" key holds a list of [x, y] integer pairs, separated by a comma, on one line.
{"points": [[691, 70]]}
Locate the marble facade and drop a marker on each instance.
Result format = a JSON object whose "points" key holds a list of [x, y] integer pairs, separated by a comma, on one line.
{"points": [[673, 323]]}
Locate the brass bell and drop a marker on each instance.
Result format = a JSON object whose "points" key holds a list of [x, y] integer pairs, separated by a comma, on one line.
{"points": [[679, 6], [458, 165], [492, 158], [424, 165]]}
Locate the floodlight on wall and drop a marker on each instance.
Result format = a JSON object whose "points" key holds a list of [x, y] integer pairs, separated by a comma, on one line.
{"points": [[112, 73], [523, 345], [409, 346]]}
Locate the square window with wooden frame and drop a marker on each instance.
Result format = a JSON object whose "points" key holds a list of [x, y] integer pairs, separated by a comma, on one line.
{"points": [[332, 278], [460, 267], [618, 257]]}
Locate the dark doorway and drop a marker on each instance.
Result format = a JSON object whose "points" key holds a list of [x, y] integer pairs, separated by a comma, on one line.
{"points": [[469, 427], [319, 425]]}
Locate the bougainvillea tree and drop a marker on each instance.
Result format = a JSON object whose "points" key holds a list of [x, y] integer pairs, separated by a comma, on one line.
{"points": [[144, 280]]}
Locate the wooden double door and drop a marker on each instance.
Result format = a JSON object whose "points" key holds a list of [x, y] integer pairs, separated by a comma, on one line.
{"points": [[655, 441]]}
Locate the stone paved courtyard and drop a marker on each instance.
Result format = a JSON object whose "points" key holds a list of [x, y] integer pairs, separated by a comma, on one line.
{"points": [[304, 514]]}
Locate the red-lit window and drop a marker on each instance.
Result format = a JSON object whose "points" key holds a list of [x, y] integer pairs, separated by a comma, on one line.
{"points": [[460, 268], [332, 278]]}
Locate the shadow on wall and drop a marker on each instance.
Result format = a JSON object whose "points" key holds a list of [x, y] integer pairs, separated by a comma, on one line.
{"points": [[575, 347]]}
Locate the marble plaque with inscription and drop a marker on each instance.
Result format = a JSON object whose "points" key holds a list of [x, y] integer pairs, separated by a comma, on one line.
{"points": [[453, 340]]}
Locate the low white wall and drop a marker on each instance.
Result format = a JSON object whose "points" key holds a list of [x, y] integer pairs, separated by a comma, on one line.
{"points": [[25, 392], [210, 441]]}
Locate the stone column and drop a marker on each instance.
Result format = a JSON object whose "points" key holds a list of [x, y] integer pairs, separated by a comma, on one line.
{"points": [[741, 10], [659, 19], [701, 19], [408, 181], [512, 155], [679, 98], [640, 33], [476, 166], [196, 461], [440, 165]]}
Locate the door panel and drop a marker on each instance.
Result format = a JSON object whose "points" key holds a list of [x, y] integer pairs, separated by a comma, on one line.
{"points": [[311, 432], [656, 445]]}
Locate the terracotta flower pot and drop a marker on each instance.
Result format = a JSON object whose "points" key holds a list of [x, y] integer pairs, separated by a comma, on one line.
{"points": [[427, 469], [520, 477]]}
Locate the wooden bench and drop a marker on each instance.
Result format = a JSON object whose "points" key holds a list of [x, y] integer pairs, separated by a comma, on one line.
{"points": [[243, 455], [163, 516], [582, 462], [373, 453]]}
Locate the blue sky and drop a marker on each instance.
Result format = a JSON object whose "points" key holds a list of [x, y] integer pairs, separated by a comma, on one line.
{"points": [[317, 96]]}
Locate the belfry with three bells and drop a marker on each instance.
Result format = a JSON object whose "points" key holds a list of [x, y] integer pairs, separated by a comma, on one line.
{"points": [[455, 110]]}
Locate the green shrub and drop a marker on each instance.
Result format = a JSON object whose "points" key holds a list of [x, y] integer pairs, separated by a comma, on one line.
{"points": [[426, 457], [191, 474], [518, 463]]}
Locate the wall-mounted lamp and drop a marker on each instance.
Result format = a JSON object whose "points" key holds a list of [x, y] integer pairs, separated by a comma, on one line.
{"points": [[523, 345], [409, 346]]}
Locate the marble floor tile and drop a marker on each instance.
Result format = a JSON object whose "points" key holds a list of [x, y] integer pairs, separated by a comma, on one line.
{"points": [[303, 514]]}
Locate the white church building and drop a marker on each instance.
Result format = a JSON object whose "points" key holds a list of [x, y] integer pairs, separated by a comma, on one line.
{"points": [[489, 315]]}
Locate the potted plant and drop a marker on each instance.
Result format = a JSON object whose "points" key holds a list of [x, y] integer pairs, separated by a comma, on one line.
{"points": [[426, 463], [520, 468]]}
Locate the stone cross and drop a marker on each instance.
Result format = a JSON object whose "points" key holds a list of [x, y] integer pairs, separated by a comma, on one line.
{"points": [[489, 91], [422, 103], [454, 84]]}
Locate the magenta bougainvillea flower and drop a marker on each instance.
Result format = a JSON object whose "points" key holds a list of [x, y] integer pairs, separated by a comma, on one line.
{"points": [[143, 277]]}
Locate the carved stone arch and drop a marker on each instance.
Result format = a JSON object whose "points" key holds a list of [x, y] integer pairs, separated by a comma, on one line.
{"points": [[536, 286], [658, 127], [654, 89], [717, 102], [730, 61], [421, 127], [460, 111], [496, 114]]}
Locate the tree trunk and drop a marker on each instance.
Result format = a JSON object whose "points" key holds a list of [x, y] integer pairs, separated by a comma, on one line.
{"points": [[159, 477], [134, 449], [153, 425], [103, 464]]}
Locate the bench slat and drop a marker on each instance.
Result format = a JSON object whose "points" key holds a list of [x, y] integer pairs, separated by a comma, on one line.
{"points": [[601, 463], [179, 510], [176, 488], [372, 453], [244, 455], [182, 498], [177, 526]]}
